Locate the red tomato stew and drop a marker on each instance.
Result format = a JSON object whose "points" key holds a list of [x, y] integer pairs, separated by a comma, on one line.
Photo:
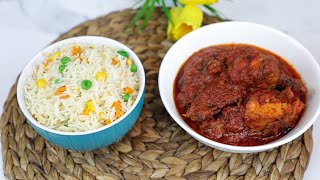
{"points": [[239, 94]]}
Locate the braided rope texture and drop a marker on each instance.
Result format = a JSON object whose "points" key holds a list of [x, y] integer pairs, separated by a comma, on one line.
{"points": [[156, 147]]}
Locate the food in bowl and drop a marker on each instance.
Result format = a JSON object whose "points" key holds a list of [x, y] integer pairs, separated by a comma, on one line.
{"points": [[239, 94], [242, 33], [81, 86]]}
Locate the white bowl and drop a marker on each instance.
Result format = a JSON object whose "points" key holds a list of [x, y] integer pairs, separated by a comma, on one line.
{"points": [[247, 33]]}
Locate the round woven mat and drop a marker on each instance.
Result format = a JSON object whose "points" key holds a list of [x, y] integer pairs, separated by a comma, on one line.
{"points": [[156, 147]]}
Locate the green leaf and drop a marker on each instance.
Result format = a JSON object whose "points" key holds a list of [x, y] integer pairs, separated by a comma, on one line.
{"points": [[137, 3], [148, 15], [166, 11], [175, 2], [139, 14], [212, 10]]}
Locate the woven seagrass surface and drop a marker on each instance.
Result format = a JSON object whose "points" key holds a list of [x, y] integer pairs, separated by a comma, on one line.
{"points": [[156, 147]]}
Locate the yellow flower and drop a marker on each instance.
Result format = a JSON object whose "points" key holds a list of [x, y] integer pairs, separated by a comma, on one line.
{"points": [[204, 2], [184, 20]]}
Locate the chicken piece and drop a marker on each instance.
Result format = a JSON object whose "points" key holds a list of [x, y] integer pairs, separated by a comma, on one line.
{"points": [[295, 84], [233, 119], [258, 69], [296, 109], [189, 90], [259, 116], [200, 72], [269, 106], [213, 98], [212, 128]]}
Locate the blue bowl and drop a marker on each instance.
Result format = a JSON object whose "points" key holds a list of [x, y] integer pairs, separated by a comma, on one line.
{"points": [[93, 139]]}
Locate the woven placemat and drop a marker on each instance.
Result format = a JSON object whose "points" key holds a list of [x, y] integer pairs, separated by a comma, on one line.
{"points": [[156, 147]]}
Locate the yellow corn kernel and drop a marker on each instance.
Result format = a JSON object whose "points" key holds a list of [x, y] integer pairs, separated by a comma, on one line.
{"points": [[41, 83], [129, 61], [101, 114], [53, 56], [90, 106], [101, 76], [56, 55], [107, 121], [76, 88]]}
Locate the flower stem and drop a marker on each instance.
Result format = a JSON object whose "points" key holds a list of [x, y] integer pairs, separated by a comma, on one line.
{"points": [[213, 11]]}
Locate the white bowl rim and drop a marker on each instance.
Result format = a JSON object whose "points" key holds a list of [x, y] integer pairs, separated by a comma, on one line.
{"points": [[227, 147], [82, 39]]}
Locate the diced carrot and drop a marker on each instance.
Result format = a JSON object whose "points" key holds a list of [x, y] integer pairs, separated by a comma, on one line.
{"points": [[76, 50], [85, 111], [117, 105], [53, 56], [115, 62], [128, 90], [118, 108], [119, 113], [57, 93], [60, 90], [47, 62], [64, 97]]}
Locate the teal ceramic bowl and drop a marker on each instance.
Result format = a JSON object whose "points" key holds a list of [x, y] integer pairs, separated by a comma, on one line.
{"points": [[93, 139]]}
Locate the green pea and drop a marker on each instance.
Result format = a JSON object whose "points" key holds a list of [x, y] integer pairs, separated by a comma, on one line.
{"points": [[133, 68], [62, 67], [65, 60], [123, 53], [126, 97], [57, 81], [86, 84]]}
